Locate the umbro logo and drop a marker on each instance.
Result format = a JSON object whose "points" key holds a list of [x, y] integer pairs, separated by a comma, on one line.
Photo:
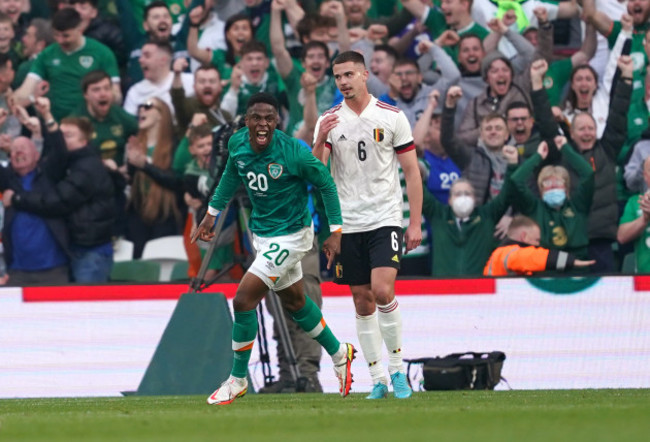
{"points": [[240, 164], [342, 138]]}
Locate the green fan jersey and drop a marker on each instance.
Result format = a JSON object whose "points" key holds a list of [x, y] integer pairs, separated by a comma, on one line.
{"points": [[64, 71], [219, 61], [558, 75], [642, 244], [637, 116], [325, 93], [436, 24], [271, 83], [276, 182], [110, 134]]}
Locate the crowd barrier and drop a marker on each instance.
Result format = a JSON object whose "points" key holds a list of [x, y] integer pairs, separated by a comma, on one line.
{"points": [[556, 333]]}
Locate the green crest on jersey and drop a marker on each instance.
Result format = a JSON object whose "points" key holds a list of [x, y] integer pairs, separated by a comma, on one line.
{"points": [[86, 61], [275, 170]]}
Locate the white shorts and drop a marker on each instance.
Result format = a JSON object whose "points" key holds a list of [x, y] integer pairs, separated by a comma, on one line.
{"points": [[277, 262]]}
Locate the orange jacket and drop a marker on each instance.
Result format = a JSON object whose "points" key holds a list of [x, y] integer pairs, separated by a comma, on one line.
{"points": [[517, 259]]}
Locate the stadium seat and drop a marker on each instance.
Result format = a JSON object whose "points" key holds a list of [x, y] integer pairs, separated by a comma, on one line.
{"points": [[179, 272], [629, 264], [135, 271], [122, 250], [167, 251]]}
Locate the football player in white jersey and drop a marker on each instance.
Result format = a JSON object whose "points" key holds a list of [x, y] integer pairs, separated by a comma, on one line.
{"points": [[365, 140]]}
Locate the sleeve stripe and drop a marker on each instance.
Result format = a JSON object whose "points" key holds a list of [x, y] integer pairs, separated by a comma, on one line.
{"points": [[328, 145], [404, 147]]}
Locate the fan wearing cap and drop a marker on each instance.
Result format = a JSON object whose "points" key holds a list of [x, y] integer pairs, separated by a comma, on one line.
{"points": [[503, 87]]}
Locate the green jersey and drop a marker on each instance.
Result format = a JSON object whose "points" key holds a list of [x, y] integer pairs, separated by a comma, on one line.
{"points": [[642, 245], [637, 116], [219, 61], [271, 83], [325, 92], [558, 75], [111, 133], [563, 228], [64, 71], [437, 24], [276, 182]]}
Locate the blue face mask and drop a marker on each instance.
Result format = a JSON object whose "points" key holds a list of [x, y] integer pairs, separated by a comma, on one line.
{"points": [[554, 197]]}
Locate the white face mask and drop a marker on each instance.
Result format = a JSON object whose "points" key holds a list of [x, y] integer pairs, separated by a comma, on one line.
{"points": [[463, 206]]}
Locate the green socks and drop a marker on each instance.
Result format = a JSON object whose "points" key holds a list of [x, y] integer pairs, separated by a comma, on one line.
{"points": [[244, 331], [310, 319]]}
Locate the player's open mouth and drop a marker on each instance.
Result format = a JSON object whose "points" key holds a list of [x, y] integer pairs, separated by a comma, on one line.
{"points": [[262, 136], [472, 60]]}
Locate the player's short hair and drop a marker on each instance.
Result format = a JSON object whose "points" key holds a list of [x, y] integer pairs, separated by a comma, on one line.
{"points": [[458, 181], [311, 22], [253, 46], [554, 171], [518, 105], [93, 77], [83, 123], [388, 49], [519, 221], [582, 115], [153, 5], [200, 131], [263, 97], [314, 44], [467, 36], [164, 46], [493, 116], [43, 30], [347, 56], [405, 61], [207, 67], [66, 19]]}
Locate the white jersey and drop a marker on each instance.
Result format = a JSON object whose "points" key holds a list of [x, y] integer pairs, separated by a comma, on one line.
{"points": [[364, 164]]}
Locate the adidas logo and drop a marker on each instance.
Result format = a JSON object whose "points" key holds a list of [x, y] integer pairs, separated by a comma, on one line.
{"points": [[396, 258], [342, 138]]}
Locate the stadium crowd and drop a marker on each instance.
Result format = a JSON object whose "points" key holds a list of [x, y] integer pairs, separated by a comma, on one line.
{"points": [[115, 117]]}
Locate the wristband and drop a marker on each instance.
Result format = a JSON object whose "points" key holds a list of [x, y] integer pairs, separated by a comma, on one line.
{"points": [[50, 123], [212, 211], [336, 228]]}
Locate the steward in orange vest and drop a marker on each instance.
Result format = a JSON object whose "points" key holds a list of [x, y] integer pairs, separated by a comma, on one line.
{"points": [[520, 253]]}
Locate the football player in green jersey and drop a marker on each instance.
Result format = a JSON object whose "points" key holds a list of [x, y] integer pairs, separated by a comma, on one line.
{"points": [[275, 170]]}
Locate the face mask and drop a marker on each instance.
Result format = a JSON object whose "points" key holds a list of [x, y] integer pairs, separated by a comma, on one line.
{"points": [[463, 206], [554, 197]]}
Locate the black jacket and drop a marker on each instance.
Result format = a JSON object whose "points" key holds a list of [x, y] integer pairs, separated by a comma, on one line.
{"points": [[110, 34], [603, 217], [85, 197]]}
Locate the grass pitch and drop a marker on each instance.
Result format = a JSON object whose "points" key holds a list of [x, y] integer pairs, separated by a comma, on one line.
{"points": [[558, 415]]}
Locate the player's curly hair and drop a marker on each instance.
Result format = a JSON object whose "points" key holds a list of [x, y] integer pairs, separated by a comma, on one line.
{"points": [[263, 97]]}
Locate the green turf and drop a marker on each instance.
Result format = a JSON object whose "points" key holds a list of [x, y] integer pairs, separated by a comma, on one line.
{"points": [[558, 415]]}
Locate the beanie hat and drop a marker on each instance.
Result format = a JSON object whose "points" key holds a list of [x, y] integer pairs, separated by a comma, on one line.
{"points": [[492, 57]]}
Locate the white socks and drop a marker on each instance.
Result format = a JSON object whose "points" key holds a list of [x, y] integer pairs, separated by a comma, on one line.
{"points": [[390, 325], [369, 336]]}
